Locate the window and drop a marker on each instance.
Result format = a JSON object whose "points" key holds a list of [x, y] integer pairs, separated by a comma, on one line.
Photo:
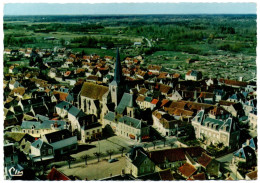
{"points": [[87, 133], [50, 151], [97, 130], [93, 131]]}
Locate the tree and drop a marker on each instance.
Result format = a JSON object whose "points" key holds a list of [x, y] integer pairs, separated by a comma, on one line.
{"points": [[122, 149], [164, 141], [154, 143], [69, 159], [171, 144], [190, 132], [110, 152], [97, 154], [62, 41], [86, 157]]}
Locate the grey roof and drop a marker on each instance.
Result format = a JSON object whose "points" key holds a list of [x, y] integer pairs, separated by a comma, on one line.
{"points": [[63, 105], [126, 101], [74, 111], [110, 116], [118, 76], [42, 125], [58, 135], [136, 123], [217, 122], [70, 98], [41, 117], [39, 143], [148, 99]]}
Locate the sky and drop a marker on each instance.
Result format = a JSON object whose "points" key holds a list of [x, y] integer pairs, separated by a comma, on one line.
{"points": [[127, 8]]}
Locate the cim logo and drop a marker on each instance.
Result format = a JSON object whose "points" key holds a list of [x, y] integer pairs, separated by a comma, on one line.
{"points": [[14, 172]]}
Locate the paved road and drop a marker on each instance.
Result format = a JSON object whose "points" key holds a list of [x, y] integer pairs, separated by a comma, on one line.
{"points": [[148, 41]]}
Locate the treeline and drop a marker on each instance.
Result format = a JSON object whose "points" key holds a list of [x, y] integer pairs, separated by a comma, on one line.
{"points": [[93, 42], [10, 40], [56, 27]]}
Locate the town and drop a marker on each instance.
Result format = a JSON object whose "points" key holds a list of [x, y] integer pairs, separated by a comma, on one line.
{"points": [[76, 116]]}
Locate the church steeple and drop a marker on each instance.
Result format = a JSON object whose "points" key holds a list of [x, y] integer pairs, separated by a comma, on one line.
{"points": [[118, 76], [116, 87]]}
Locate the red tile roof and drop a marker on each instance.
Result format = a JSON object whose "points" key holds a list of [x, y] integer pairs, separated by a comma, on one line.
{"points": [[154, 101], [252, 175], [199, 176], [204, 160], [164, 101], [56, 175], [62, 95], [233, 82], [176, 154], [187, 170], [166, 175]]}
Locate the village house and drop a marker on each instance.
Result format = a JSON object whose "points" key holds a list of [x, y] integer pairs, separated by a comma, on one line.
{"points": [[138, 162], [62, 141], [41, 151], [193, 75]]}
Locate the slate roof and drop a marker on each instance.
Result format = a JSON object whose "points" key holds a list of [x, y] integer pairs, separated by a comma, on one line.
{"points": [[39, 143], [252, 143], [93, 91], [137, 154], [64, 105], [245, 153], [126, 101], [118, 76], [136, 123], [42, 125], [58, 135], [110, 116]]}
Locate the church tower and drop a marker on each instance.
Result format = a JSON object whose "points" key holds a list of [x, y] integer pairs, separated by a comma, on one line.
{"points": [[116, 87]]}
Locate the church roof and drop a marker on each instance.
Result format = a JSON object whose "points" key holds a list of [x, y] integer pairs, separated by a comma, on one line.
{"points": [[118, 76]]}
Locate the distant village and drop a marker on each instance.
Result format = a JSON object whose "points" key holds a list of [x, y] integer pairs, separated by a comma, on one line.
{"points": [[166, 126]]}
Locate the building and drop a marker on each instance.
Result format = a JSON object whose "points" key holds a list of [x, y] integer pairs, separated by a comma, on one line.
{"points": [[62, 141], [193, 75], [41, 151], [138, 162], [216, 130]]}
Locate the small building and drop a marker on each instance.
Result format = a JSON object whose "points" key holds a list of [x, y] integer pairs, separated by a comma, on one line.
{"points": [[193, 75], [138, 162], [62, 141]]}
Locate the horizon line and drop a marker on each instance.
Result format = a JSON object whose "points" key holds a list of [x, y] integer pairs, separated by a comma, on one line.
{"points": [[130, 14]]}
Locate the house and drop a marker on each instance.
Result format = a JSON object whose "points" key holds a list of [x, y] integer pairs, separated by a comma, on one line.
{"points": [[176, 96], [245, 154], [193, 75], [155, 69], [62, 141], [126, 126], [252, 143], [216, 130], [13, 84], [164, 123], [62, 108], [233, 83], [138, 162], [210, 165], [41, 151], [10, 155], [90, 131], [39, 128], [187, 170], [174, 158], [236, 109]]}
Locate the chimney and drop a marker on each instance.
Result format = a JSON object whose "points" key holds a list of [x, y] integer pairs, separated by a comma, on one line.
{"points": [[247, 141]]}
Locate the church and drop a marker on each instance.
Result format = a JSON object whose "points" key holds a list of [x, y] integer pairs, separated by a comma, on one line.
{"points": [[114, 106]]}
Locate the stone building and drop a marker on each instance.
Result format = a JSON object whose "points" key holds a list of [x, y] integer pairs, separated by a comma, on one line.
{"points": [[216, 130]]}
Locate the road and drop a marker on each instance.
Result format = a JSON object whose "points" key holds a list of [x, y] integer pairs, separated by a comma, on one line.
{"points": [[148, 41]]}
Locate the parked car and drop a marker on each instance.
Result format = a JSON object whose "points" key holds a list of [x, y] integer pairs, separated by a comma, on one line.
{"points": [[112, 160]]}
